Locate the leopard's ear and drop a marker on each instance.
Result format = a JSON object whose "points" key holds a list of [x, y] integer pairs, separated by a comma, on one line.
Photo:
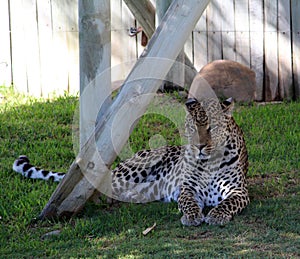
{"points": [[228, 106], [190, 103]]}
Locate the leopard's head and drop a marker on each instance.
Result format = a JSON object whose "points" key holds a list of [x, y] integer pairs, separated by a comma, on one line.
{"points": [[206, 123]]}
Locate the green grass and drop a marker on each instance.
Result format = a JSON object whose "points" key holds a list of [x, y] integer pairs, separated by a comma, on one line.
{"points": [[41, 129]]}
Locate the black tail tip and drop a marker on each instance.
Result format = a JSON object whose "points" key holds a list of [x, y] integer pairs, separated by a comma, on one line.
{"points": [[23, 158]]}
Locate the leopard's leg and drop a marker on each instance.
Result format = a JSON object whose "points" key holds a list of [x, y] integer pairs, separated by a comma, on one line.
{"points": [[224, 212], [189, 206]]}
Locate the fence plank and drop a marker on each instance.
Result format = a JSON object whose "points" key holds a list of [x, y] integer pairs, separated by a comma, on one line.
{"points": [[295, 6], [116, 25], [228, 30], [271, 46], [47, 62], [214, 26], [257, 45], [188, 48], [18, 50], [128, 43], [5, 61], [284, 51], [72, 46], [200, 42], [60, 55], [31, 47], [123, 46], [242, 32]]}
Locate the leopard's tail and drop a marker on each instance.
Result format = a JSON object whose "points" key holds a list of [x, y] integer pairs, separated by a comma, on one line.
{"points": [[22, 166]]}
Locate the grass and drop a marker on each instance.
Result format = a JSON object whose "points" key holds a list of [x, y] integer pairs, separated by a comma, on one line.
{"points": [[42, 129]]}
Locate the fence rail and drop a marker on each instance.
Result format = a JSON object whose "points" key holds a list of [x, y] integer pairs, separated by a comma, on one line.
{"points": [[40, 51]]}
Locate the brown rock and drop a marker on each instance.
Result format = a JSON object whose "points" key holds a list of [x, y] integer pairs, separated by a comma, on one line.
{"points": [[227, 79]]}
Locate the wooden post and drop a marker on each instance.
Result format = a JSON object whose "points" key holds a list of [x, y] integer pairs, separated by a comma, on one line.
{"points": [[113, 129], [144, 12], [95, 53]]}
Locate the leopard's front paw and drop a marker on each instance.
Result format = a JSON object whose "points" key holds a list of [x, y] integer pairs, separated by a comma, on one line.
{"points": [[192, 220], [215, 217]]}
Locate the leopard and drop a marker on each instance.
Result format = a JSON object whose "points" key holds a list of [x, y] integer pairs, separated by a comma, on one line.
{"points": [[207, 172]]}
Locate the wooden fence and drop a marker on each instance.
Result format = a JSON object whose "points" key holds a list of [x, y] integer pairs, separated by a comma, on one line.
{"points": [[39, 43]]}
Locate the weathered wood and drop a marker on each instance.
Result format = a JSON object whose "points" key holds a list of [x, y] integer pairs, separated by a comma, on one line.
{"points": [[95, 63], [228, 31], [144, 12], [175, 76], [284, 51], [256, 45], [129, 54], [242, 32], [18, 53], [295, 7], [129, 105], [60, 53], [214, 25], [5, 61], [47, 60], [271, 47], [30, 45], [200, 43], [188, 48], [72, 37], [116, 39], [57, 47]]}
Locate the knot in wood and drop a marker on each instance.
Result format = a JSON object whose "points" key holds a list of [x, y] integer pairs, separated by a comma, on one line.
{"points": [[90, 165]]}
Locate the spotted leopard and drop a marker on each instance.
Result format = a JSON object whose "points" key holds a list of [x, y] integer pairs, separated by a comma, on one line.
{"points": [[209, 171]]}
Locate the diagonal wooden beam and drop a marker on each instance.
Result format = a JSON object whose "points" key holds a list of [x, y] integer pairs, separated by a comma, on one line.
{"points": [[90, 170]]}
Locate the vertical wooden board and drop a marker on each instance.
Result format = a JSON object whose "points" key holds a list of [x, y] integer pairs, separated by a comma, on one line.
{"points": [[200, 43], [5, 61], [257, 45], [284, 51], [271, 48], [31, 47], [228, 30], [18, 53], [295, 7], [73, 47], [60, 47], [188, 48], [128, 44], [116, 40], [242, 32], [47, 61], [214, 26]]}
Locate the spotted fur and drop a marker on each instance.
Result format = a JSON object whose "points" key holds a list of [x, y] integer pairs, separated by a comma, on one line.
{"points": [[209, 171]]}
